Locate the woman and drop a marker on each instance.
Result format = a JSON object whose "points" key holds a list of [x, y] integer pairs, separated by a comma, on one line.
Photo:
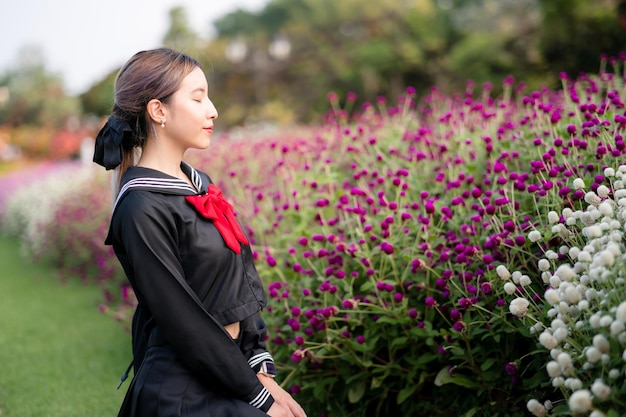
{"points": [[198, 340]]}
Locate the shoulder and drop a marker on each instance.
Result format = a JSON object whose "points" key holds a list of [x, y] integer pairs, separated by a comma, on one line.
{"points": [[137, 203]]}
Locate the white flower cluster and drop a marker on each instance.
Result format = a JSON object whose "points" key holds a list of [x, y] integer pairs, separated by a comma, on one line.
{"points": [[584, 326], [29, 209]]}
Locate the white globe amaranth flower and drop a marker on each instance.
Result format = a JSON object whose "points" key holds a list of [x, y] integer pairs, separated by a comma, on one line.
{"points": [[603, 191], [621, 193], [579, 183], [592, 231], [558, 382], [609, 172], [572, 296], [573, 252], [553, 369], [580, 401], [519, 307], [545, 277], [606, 258], [503, 272], [547, 340], [510, 288], [614, 373], [560, 334], [543, 264], [583, 305], [587, 218], [601, 343], [597, 413], [606, 321], [606, 208], [536, 408], [550, 254], [553, 217], [601, 390], [525, 281], [592, 198], [617, 328], [516, 275], [552, 296], [565, 272], [564, 360], [534, 236], [593, 354], [574, 384], [620, 313]]}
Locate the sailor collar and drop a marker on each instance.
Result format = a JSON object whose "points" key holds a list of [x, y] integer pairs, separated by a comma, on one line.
{"points": [[149, 179]]}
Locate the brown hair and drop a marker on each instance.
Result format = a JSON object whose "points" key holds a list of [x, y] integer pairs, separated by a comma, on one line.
{"points": [[147, 75]]}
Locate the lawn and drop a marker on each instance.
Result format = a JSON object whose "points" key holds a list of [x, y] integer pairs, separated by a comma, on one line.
{"points": [[59, 356]]}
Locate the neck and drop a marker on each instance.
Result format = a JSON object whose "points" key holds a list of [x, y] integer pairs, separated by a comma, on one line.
{"points": [[165, 160]]}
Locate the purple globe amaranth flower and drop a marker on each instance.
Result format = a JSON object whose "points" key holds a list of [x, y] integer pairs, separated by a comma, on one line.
{"points": [[465, 303], [430, 302], [271, 261], [360, 339], [459, 326], [511, 368], [295, 389], [297, 356], [455, 315], [387, 248]]}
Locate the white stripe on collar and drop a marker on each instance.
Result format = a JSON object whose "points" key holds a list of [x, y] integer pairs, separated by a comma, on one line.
{"points": [[160, 183], [193, 175]]}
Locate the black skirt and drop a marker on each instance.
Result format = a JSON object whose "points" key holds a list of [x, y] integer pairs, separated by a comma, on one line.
{"points": [[165, 387]]}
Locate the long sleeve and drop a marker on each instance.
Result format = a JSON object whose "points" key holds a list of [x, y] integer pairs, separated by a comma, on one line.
{"points": [[148, 231], [253, 334]]}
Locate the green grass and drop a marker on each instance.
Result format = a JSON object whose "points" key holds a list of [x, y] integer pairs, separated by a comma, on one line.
{"points": [[59, 356]]}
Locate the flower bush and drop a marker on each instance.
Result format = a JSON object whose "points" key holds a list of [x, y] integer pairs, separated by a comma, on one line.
{"points": [[445, 255]]}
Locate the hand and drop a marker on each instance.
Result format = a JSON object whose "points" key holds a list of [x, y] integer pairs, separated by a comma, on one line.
{"points": [[276, 410], [283, 401]]}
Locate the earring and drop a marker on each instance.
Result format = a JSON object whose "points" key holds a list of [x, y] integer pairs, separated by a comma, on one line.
{"points": [[163, 123]]}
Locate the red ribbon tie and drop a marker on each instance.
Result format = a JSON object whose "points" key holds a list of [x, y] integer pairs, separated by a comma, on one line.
{"points": [[214, 206]]}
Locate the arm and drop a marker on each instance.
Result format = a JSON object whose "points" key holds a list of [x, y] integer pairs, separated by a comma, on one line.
{"points": [[253, 334], [149, 235]]}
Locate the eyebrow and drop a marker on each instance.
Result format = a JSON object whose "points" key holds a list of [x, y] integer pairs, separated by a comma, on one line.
{"points": [[200, 89]]}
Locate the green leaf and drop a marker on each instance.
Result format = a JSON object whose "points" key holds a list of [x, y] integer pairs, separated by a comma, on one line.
{"points": [[472, 412], [487, 364], [356, 392], [444, 377], [406, 393]]}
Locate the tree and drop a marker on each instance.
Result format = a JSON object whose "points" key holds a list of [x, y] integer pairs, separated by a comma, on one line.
{"points": [[36, 97], [179, 35]]}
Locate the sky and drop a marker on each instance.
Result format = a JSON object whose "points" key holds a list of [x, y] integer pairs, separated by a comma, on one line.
{"points": [[84, 40]]}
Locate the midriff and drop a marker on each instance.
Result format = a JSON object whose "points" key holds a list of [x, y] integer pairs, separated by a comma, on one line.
{"points": [[233, 329]]}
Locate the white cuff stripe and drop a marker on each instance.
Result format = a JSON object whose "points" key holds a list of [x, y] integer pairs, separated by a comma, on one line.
{"points": [[260, 399], [261, 357]]}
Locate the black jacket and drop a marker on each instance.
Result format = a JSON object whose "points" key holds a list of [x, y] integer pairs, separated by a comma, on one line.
{"points": [[160, 239]]}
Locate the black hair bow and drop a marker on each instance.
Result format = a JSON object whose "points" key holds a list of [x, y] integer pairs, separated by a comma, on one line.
{"points": [[109, 151]]}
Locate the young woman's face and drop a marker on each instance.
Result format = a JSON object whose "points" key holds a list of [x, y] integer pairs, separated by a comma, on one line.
{"points": [[191, 113]]}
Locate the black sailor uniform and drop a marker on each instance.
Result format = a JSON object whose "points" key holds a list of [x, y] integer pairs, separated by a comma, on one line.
{"points": [[185, 363]]}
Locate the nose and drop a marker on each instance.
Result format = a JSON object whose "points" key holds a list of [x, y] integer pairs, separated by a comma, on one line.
{"points": [[212, 111]]}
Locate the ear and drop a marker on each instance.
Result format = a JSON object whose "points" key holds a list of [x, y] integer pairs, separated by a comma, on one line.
{"points": [[156, 110]]}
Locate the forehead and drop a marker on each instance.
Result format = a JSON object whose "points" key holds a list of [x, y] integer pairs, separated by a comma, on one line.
{"points": [[195, 80]]}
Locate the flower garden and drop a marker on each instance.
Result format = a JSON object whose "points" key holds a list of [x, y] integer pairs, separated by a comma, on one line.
{"points": [[440, 255]]}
